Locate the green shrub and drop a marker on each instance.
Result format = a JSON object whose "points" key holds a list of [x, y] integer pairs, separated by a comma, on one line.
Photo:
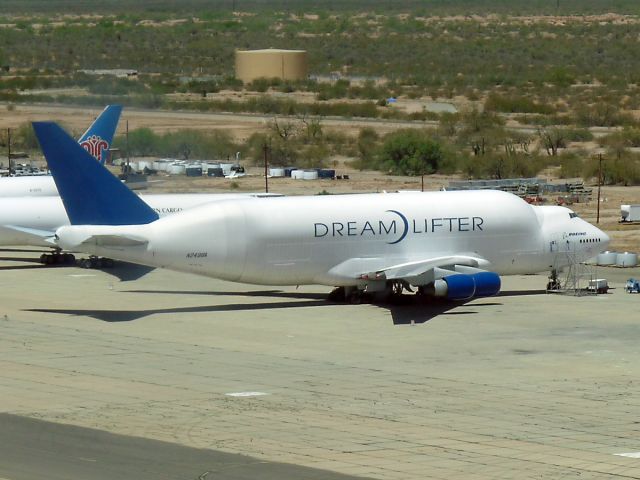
{"points": [[516, 104], [572, 165], [410, 152]]}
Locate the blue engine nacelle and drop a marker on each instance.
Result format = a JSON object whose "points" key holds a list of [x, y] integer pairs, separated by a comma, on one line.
{"points": [[487, 284], [458, 287], [464, 286]]}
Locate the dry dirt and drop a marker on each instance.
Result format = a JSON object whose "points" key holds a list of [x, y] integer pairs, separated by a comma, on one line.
{"points": [[624, 237]]}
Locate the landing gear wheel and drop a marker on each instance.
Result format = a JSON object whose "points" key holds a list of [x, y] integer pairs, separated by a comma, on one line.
{"points": [[355, 297], [553, 284], [338, 294]]}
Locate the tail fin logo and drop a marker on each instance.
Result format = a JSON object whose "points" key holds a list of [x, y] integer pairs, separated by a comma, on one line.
{"points": [[96, 146]]}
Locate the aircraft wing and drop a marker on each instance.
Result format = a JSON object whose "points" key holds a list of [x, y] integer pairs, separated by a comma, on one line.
{"points": [[454, 276], [371, 269], [412, 270]]}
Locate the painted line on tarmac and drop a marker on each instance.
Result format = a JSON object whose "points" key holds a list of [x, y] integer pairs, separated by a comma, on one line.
{"points": [[629, 455], [246, 394]]}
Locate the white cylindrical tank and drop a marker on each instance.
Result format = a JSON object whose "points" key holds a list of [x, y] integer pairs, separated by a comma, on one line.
{"points": [[142, 164], [607, 258], [310, 175], [592, 261], [270, 63], [297, 174], [627, 259], [276, 172], [160, 165], [176, 169]]}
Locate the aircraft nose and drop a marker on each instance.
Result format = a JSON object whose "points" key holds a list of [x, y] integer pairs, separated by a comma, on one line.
{"points": [[603, 237]]}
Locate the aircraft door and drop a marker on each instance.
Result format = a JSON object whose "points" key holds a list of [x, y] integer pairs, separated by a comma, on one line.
{"points": [[560, 243]]}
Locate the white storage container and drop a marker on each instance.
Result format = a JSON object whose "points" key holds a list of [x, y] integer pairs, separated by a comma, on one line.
{"points": [[627, 259], [630, 213], [607, 258], [142, 164], [226, 168], [176, 169], [309, 174]]}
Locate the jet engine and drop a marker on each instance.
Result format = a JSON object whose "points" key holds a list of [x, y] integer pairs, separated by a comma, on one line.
{"points": [[464, 286]]}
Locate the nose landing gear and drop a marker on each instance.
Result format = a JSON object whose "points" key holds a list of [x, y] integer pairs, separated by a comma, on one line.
{"points": [[553, 284]]}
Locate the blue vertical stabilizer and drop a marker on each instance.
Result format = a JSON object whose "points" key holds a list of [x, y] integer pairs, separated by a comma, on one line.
{"points": [[90, 193], [99, 136]]}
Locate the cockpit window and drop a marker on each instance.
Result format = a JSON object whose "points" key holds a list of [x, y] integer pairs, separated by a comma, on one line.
{"points": [[573, 215]]}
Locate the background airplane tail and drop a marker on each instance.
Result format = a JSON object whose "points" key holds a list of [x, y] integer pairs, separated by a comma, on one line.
{"points": [[90, 193], [98, 138]]}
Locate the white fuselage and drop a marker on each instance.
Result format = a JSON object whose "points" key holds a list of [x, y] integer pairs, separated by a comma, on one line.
{"points": [[47, 213], [39, 185], [329, 239]]}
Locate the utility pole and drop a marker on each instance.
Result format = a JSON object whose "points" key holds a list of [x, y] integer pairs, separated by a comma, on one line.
{"points": [[126, 143], [9, 151], [265, 149], [423, 182], [599, 183]]}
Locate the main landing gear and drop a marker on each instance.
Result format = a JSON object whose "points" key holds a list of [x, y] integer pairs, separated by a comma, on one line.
{"points": [[96, 262], [57, 258], [391, 293], [345, 295]]}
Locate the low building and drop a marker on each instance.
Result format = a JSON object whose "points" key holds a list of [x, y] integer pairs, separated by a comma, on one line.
{"points": [[116, 72]]}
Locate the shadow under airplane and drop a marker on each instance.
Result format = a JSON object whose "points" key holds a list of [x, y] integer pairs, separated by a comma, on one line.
{"points": [[406, 310], [33, 262], [123, 271], [129, 315]]}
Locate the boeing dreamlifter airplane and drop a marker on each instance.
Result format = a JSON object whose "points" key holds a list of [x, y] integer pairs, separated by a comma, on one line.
{"points": [[96, 140], [450, 244]]}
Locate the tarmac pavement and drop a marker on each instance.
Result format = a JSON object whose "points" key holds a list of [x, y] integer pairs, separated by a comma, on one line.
{"points": [[523, 385]]}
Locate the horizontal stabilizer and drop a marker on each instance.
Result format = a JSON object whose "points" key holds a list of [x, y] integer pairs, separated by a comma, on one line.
{"points": [[33, 233]]}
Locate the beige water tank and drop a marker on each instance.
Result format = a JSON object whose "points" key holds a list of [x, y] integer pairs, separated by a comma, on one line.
{"points": [[271, 63]]}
